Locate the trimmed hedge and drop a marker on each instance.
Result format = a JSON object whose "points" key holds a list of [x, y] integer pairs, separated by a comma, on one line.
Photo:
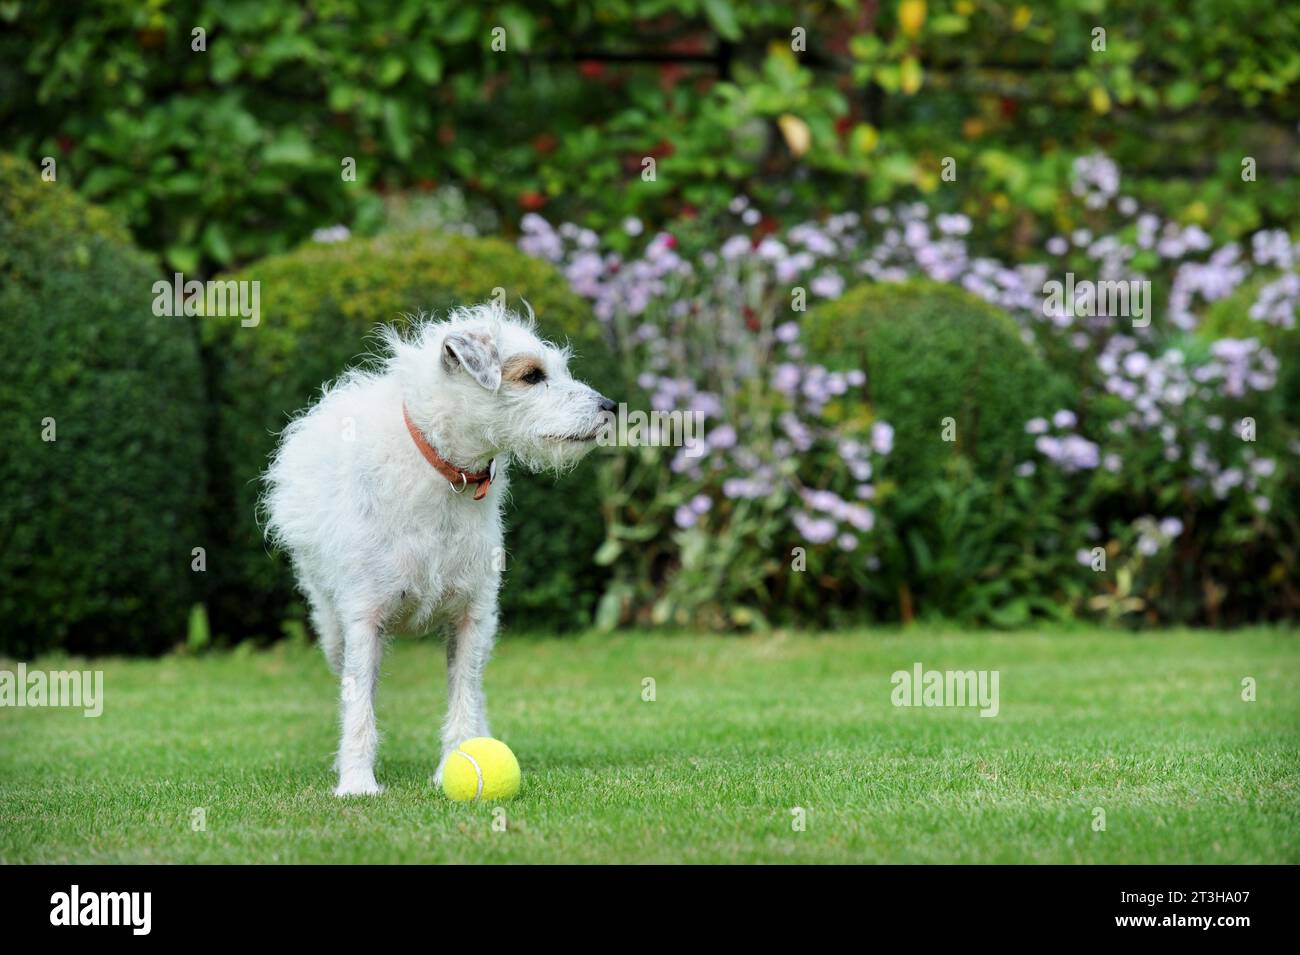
{"points": [[98, 524], [955, 533], [319, 307], [932, 351]]}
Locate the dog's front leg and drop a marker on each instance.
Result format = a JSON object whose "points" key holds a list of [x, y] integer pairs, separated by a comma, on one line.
{"points": [[363, 649], [467, 656]]}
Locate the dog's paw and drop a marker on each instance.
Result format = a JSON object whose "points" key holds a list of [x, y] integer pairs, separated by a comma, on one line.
{"points": [[358, 784]]}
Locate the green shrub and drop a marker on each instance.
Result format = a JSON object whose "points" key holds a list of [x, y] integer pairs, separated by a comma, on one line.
{"points": [[956, 535], [319, 307], [98, 524], [931, 352]]}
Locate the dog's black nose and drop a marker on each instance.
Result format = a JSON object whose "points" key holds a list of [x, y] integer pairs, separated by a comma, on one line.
{"points": [[606, 405]]}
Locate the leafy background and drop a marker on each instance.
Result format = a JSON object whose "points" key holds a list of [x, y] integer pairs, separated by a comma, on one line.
{"points": [[215, 158], [771, 127]]}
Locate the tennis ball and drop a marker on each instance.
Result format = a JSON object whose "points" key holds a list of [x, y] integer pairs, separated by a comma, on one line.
{"points": [[481, 769]]}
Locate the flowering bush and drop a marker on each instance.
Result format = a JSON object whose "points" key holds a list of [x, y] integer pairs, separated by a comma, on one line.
{"points": [[1179, 457], [789, 452], [1173, 444]]}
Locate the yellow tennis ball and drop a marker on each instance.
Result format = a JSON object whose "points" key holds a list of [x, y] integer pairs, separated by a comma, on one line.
{"points": [[481, 769]]}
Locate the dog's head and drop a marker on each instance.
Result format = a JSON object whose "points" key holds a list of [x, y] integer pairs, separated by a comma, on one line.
{"points": [[485, 383]]}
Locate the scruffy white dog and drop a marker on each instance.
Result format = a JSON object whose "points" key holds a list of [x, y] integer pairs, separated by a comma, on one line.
{"points": [[387, 495]]}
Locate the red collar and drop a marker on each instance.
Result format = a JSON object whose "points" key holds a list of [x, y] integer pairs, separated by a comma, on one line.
{"points": [[458, 478]]}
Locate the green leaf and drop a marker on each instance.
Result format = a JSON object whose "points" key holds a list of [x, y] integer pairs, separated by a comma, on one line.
{"points": [[182, 258], [920, 551], [635, 532], [948, 24], [104, 179], [427, 64], [723, 17], [391, 69], [1182, 94], [343, 98], [1013, 614], [609, 610], [461, 27], [519, 26], [608, 552], [215, 244], [395, 125], [291, 149], [199, 635], [226, 63]]}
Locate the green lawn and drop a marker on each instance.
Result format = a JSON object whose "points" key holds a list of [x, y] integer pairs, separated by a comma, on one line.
{"points": [[1150, 729]]}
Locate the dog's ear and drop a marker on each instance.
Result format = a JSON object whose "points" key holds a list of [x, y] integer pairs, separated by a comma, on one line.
{"points": [[476, 353]]}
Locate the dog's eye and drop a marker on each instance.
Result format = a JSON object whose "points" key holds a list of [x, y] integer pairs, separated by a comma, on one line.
{"points": [[534, 377]]}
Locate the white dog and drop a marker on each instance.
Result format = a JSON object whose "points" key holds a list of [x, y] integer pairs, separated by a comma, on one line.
{"points": [[387, 495]]}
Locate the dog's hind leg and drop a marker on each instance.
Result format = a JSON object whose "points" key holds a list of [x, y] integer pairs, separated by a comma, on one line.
{"points": [[467, 656], [329, 629], [362, 651]]}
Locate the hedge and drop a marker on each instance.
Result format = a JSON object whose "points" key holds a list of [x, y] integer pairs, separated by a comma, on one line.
{"points": [[933, 351], [319, 307], [952, 524], [98, 524]]}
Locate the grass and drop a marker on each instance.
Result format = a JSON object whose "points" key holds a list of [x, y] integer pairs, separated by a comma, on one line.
{"points": [[1150, 729]]}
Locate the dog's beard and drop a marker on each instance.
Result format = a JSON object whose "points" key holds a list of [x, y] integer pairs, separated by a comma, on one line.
{"points": [[553, 454]]}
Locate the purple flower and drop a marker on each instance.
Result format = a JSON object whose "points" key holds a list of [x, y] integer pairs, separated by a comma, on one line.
{"points": [[956, 224], [1096, 180], [785, 378], [816, 530], [1064, 419], [1072, 452], [827, 285], [1136, 364], [335, 233], [860, 517], [882, 437], [738, 246], [706, 404], [745, 489], [722, 437], [826, 501]]}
